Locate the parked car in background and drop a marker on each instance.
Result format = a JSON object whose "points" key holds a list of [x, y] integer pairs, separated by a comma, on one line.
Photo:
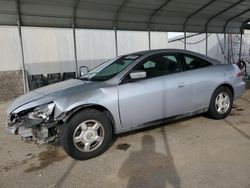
{"points": [[123, 94]]}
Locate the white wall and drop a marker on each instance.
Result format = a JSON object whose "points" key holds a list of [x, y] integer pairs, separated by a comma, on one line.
{"points": [[10, 53], [48, 50], [51, 50], [197, 43], [94, 46], [178, 44], [132, 41], [214, 49], [159, 40]]}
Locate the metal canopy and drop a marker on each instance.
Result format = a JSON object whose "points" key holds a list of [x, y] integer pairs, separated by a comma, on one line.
{"points": [[215, 16]]}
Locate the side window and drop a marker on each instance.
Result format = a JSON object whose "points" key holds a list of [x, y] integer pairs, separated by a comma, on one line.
{"points": [[160, 65], [149, 64], [191, 62]]}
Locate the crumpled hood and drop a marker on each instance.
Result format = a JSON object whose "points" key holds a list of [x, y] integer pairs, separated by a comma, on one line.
{"points": [[43, 94]]}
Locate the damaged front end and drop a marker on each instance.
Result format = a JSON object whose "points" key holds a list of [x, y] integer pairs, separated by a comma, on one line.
{"points": [[36, 124]]}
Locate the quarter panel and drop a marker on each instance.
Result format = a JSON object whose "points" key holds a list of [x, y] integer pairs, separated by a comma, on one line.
{"points": [[205, 81]]}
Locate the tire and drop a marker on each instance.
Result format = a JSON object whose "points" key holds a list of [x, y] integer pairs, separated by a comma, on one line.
{"points": [[82, 139], [216, 110]]}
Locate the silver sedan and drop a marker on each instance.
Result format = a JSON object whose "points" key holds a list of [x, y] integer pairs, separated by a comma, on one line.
{"points": [[123, 94]]}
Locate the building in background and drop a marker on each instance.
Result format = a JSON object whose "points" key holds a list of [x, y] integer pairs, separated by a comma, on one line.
{"points": [[51, 50]]}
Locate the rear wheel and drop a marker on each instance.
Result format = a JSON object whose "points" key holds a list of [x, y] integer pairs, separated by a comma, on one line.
{"points": [[87, 134], [221, 103]]}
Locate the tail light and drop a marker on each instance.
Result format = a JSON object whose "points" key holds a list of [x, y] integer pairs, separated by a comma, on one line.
{"points": [[239, 72]]}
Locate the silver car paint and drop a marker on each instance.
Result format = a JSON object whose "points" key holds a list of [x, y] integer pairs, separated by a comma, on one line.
{"points": [[154, 99], [133, 104]]}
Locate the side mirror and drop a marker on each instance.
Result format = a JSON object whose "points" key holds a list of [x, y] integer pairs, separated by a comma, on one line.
{"points": [[83, 70], [139, 74]]}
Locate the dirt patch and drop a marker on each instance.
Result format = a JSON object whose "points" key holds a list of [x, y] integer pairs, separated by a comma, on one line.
{"points": [[235, 110], [243, 122], [234, 114], [46, 158], [234, 107], [6, 168], [239, 109], [123, 147]]}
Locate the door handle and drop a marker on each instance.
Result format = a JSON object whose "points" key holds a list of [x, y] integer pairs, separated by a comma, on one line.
{"points": [[180, 85]]}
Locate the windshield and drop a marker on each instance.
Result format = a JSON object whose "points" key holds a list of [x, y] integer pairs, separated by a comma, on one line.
{"points": [[110, 68]]}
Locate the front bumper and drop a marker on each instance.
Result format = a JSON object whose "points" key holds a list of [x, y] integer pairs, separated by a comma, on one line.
{"points": [[9, 127], [18, 129], [11, 130]]}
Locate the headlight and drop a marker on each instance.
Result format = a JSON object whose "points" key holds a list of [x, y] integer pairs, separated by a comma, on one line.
{"points": [[42, 112]]}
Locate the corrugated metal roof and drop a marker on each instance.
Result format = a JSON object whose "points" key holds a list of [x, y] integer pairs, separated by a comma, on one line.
{"points": [[215, 16]]}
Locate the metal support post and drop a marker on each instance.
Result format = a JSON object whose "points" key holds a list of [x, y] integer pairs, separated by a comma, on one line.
{"points": [[206, 43], [240, 46], [74, 34], [116, 43], [21, 46], [75, 49], [225, 42], [185, 40], [149, 40]]}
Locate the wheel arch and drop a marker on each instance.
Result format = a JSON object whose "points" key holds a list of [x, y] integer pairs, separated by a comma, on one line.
{"points": [[98, 107], [227, 85], [212, 112]]}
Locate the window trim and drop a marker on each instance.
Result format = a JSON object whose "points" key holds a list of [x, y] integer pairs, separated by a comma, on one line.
{"points": [[123, 79], [182, 57]]}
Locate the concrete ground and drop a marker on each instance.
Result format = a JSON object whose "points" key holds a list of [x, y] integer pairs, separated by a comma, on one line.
{"points": [[192, 153]]}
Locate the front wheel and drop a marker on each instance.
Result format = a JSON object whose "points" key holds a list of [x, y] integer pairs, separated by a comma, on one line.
{"points": [[221, 103], [87, 134]]}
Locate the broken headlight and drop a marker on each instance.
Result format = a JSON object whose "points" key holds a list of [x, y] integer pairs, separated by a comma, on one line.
{"points": [[42, 112]]}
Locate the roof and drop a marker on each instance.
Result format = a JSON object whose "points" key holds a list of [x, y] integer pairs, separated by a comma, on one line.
{"points": [[173, 50], [217, 16]]}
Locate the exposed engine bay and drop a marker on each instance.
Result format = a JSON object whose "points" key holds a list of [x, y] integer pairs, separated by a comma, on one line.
{"points": [[35, 124]]}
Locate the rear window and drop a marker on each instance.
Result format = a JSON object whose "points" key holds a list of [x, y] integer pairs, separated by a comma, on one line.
{"points": [[192, 62]]}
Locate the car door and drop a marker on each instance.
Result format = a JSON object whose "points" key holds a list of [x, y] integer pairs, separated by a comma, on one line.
{"points": [[202, 78], [164, 92]]}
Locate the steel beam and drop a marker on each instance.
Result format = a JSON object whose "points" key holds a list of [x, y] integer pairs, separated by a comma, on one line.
{"points": [[243, 25], [149, 40], [74, 34], [150, 19], [241, 33], [221, 12], [240, 46], [185, 40], [155, 12], [228, 50], [206, 43], [117, 14], [232, 18], [25, 88], [195, 12], [225, 42], [116, 24], [116, 43]]}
